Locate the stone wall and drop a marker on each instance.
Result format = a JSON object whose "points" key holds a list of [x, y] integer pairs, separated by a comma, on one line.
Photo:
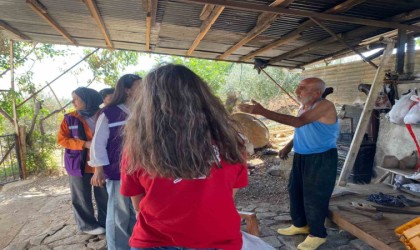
{"points": [[345, 78]]}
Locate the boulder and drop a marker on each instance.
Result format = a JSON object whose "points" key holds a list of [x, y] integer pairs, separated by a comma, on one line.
{"points": [[252, 128]]}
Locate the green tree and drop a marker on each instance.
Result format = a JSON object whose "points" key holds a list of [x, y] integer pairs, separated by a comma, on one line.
{"points": [[213, 72], [40, 148], [246, 83], [107, 65]]}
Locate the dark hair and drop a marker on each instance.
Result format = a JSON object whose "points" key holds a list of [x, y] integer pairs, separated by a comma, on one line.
{"points": [[175, 125], [106, 91], [125, 82]]}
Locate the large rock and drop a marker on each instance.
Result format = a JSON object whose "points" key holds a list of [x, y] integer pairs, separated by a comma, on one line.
{"points": [[253, 129]]}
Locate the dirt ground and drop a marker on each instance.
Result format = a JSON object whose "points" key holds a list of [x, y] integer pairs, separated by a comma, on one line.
{"points": [[37, 201]]}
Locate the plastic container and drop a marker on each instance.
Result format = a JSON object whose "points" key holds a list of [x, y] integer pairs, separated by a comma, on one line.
{"points": [[409, 234]]}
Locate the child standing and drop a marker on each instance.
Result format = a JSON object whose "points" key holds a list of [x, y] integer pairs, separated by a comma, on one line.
{"points": [[183, 162]]}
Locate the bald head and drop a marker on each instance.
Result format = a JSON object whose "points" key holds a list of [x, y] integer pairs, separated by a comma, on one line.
{"points": [[316, 83]]}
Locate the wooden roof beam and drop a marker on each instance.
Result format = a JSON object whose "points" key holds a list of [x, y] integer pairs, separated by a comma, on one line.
{"points": [[304, 26], [16, 32], [205, 13], [94, 11], [343, 42], [205, 27], [264, 22], [151, 9], [303, 13], [42, 12], [348, 36]]}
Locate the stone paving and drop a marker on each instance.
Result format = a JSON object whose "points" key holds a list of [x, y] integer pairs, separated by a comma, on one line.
{"points": [[61, 236], [42, 219], [271, 218]]}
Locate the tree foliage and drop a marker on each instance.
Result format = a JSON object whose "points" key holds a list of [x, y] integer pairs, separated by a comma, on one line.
{"points": [[107, 65], [246, 83], [213, 72]]}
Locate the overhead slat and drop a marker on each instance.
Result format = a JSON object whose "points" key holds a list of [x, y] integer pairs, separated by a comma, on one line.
{"points": [[39, 9], [93, 8]]}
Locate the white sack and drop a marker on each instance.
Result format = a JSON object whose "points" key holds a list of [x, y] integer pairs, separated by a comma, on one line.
{"points": [[400, 109], [413, 115]]}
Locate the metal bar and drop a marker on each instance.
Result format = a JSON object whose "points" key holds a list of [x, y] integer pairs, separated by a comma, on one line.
{"points": [[7, 153], [341, 41], [287, 93], [48, 84]]}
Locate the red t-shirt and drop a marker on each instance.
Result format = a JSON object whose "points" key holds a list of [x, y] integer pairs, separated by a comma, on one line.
{"points": [[198, 213]]}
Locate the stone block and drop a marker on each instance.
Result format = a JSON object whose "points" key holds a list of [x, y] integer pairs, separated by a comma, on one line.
{"points": [[273, 241]]}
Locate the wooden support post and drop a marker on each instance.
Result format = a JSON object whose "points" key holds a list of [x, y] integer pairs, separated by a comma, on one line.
{"points": [[410, 58], [22, 150], [402, 40], [15, 114], [366, 114]]}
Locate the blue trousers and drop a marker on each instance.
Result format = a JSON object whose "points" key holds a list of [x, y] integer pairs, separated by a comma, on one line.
{"points": [[120, 219], [81, 199]]}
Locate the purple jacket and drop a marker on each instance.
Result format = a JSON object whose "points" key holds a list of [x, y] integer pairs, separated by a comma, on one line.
{"points": [[116, 121], [75, 160]]}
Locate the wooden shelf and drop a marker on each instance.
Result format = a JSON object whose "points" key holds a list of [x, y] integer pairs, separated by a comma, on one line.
{"points": [[403, 172]]}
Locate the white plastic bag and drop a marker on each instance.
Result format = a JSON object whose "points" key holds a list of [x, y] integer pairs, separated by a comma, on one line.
{"points": [[413, 115], [400, 109], [251, 242]]}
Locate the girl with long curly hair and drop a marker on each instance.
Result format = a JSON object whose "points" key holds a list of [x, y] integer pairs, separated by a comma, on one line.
{"points": [[183, 163]]}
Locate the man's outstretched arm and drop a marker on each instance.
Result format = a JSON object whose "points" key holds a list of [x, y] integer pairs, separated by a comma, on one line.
{"points": [[309, 116]]}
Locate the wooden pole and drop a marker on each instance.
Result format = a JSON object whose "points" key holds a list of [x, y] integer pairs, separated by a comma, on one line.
{"points": [[20, 152], [377, 86]]}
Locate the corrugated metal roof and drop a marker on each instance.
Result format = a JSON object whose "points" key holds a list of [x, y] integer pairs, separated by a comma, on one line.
{"points": [[178, 24]]}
